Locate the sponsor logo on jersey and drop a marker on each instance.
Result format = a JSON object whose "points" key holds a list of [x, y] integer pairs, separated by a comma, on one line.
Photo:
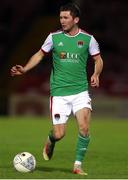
{"points": [[63, 55], [69, 57], [80, 44]]}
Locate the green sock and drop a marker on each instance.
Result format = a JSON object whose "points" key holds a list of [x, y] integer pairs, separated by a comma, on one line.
{"points": [[81, 147]]}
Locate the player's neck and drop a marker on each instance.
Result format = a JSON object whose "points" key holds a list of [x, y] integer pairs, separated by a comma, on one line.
{"points": [[73, 31]]}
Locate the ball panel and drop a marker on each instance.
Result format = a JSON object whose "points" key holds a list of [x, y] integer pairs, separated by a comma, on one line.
{"points": [[21, 168], [24, 162]]}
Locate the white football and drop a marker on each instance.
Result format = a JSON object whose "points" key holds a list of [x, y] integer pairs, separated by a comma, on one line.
{"points": [[24, 162]]}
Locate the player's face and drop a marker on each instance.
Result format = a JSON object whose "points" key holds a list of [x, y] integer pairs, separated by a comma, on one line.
{"points": [[67, 21]]}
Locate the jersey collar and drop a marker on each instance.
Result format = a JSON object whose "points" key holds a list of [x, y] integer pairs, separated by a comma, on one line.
{"points": [[73, 35]]}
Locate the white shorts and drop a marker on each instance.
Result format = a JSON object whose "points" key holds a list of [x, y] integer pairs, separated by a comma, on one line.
{"points": [[62, 106]]}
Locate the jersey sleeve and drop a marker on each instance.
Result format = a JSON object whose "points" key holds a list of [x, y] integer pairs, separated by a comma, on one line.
{"points": [[93, 47], [48, 44]]}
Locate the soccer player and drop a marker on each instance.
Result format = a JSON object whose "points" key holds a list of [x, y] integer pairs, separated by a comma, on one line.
{"points": [[70, 48]]}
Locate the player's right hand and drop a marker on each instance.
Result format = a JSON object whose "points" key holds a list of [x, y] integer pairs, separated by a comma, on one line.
{"points": [[17, 70]]}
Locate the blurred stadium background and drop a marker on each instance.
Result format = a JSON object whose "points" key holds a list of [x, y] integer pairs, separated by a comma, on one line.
{"points": [[24, 25]]}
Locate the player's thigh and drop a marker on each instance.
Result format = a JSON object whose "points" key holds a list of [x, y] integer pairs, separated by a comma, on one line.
{"points": [[83, 117]]}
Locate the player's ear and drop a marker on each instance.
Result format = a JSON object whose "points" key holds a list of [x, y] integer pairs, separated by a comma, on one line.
{"points": [[76, 20]]}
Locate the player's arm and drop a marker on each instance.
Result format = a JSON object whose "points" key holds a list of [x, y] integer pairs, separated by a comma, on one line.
{"points": [[95, 53], [33, 61], [97, 70]]}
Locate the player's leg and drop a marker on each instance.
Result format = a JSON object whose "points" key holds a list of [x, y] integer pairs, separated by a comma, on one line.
{"points": [[55, 135], [82, 110], [60, 110], [83, 117]]}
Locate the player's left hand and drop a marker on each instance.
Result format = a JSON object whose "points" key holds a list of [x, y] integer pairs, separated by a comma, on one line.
{"points": [[94, 80]]}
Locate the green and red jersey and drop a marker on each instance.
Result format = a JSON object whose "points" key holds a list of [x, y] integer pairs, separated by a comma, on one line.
{"points": [[69, 56]]}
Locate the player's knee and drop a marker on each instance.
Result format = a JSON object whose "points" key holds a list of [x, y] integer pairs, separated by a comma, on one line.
{"points": [[58, 135], [84, 130]]}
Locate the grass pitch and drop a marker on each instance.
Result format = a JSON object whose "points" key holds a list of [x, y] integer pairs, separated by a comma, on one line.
{"points": [[107, 155]]}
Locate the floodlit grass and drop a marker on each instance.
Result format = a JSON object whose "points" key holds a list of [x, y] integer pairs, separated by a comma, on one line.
{"points": [[106, 157]]}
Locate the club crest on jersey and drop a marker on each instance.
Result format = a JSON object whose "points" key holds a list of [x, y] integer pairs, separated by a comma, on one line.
{"points": [[80, 44]]}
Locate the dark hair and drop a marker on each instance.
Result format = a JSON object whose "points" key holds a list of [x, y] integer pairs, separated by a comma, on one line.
{"points": [[73, 8]]}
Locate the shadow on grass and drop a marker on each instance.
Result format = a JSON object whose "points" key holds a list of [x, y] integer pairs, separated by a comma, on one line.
{"points": [[51, 169]]}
